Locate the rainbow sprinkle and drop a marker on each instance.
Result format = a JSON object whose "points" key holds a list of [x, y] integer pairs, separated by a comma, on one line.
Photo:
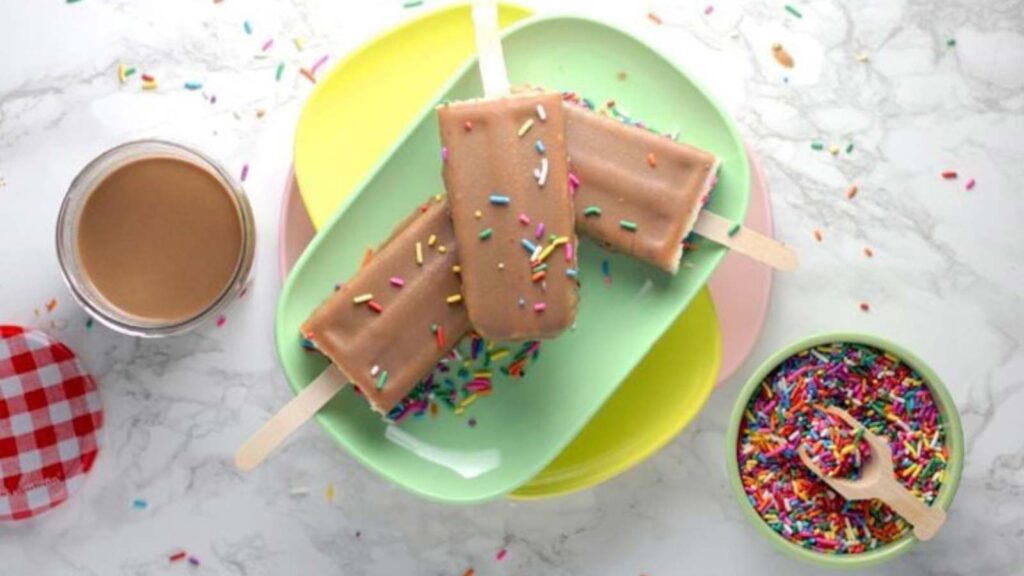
{"points": [[627, 225], [499, 200], [879, 390], [592, 211]]}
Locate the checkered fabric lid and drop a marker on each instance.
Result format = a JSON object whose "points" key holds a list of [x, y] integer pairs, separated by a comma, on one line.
{"points": [[50, 417]]}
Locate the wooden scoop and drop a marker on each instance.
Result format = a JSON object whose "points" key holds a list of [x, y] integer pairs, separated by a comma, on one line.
{"points": [[878, 481]]}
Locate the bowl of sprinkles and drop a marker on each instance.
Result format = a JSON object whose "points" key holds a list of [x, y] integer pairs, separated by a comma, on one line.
{"points": [[783, 408]]}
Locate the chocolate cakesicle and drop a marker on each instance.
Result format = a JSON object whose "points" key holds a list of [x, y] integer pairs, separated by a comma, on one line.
{"points": [[505, 169], [636, 191], [389, 325]]}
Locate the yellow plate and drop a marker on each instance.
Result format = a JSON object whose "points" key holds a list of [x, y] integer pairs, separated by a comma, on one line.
{"points": [[350, 123], [357, 112]]}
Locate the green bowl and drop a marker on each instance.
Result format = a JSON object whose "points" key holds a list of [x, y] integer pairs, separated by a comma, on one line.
{"points": [[954, 439]]}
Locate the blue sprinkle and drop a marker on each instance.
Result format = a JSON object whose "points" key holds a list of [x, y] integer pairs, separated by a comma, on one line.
{"points": [[193, 85], [499, 199], [571, 272], [540, 147], [605, 268], [247, 26], [139, 504], [530, 246]]}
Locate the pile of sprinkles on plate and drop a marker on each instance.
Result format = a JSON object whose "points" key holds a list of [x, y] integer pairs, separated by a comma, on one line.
{"points": [[462, 377], [880, 391]]}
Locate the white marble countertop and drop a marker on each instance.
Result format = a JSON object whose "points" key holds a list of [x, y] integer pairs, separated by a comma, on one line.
{"points": [[945, 281]]}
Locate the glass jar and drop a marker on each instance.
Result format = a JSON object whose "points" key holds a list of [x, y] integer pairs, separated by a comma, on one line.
{"points": [[70, 258]]}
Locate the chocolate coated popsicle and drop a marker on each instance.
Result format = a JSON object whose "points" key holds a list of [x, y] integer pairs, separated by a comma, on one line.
{"points": [[389, 325], [636, 191], [504, 165]]}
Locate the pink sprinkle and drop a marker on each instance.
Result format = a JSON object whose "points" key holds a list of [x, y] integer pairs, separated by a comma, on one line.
{"points": [[501, 554], [970, 184], [540, 231], [568, 252], [245, 172], [539, 307], [709, 10], [318, 64], [268, 44], [444, 153], [524, 219], [574, 183], [396, 281], [221, 320]]}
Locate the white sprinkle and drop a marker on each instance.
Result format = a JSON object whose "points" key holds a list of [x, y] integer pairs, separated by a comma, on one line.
{"points": [[542, 113], [299, 490], [542, 178], [536, 253], [374, 370]]}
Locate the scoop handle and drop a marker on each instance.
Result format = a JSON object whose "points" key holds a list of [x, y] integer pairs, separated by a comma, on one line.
{"points": [[926, 520], [751, 244], [488, 47], [294, 414]]}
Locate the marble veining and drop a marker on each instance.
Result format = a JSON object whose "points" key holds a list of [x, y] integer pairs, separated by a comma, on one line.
{"points": [[944, 281]]}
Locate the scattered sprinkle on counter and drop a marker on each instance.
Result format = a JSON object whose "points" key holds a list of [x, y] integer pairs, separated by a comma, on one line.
{"points": [[139, 504], [792, 10], [851, 191], [818, 235], [865, 307], [221, 320], [969, 185], [654, 18]]}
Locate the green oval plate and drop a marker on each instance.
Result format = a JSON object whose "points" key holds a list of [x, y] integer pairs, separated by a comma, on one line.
{"points": [[524, 424]]}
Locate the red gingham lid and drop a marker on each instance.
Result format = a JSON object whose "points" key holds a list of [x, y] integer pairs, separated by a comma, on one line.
{"points": [[50, 417]]}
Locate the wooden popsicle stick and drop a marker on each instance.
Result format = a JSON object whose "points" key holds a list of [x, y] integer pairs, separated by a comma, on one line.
{"points": [[746, 241], [294, 414], [493, 73]]}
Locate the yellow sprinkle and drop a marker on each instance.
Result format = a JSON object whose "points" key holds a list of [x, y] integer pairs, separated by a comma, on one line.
{"points": [[438, 197], [550, 248], [363, 298], [419, 253], [525, 127], [484, 373], [442, 248], [432, 240], [499, 354], [149, 85], [122, 73], [457, 269], [459, 411], [299, 42], [329, 493], [469, 400], [454, 299], [477, 214], [862, 57]]}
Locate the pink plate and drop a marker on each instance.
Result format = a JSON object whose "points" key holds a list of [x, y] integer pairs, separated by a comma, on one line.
{"points": [[740, 288]]}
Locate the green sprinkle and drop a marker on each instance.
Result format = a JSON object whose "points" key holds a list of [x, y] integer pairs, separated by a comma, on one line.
{"points": [[88, 322], [951, 42], [280, 71], [628, 225], [433, 328], [849, 147], [382, 379], [592, 211], [817, 146], [540, 267], [486, 233], [412, 4], [735, 229], [792, 10], [73, 1], [129, 71]]}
